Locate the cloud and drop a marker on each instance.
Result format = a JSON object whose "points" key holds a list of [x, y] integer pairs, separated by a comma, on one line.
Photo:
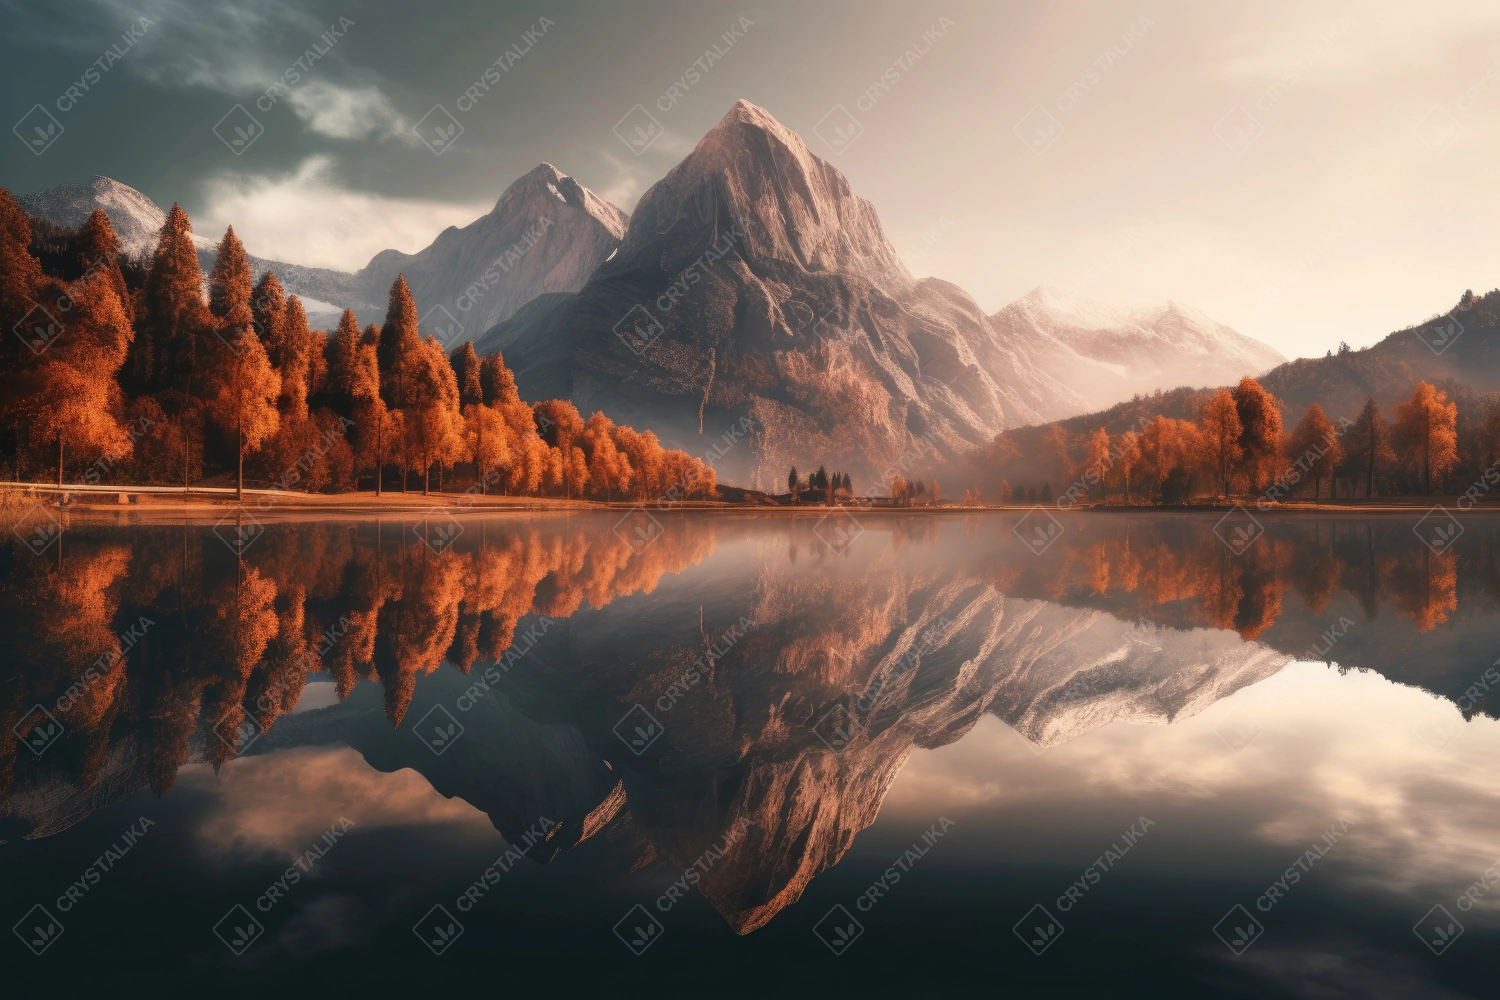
{"points": [[280, 803], [310, 218], [349, 112]]}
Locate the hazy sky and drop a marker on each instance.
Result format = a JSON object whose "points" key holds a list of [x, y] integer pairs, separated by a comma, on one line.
{"points": [[1306, 173]]}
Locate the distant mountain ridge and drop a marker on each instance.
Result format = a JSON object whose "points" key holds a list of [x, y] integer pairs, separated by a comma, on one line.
{"points": [[1105, 353]]}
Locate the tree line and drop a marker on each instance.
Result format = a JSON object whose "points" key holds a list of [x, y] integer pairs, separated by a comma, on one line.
{"points": [[125, 371], [1239, 446]]}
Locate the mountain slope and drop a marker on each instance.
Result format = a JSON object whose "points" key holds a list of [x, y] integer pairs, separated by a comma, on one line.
{"points": [[1107, 355], [547, 233], [753, 282]]}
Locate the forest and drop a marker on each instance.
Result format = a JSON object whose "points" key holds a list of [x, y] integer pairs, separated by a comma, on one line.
{"points": [[144, 372], [1238, 446]]}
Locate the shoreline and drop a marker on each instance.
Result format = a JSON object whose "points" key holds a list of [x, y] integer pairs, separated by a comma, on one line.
{"points": [[152, 502]]}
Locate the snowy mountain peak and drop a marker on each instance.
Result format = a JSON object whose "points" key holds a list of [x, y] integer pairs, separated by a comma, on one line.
{"points": [[1106, 353], [136, 219]]}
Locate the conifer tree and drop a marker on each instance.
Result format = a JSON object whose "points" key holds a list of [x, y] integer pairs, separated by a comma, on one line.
{"points": [[244, 386]]}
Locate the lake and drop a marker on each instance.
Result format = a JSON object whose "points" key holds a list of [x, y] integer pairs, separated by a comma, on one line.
{"points": [[675, 753]]}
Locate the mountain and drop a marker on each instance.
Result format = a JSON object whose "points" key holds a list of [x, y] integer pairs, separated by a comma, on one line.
{"points": [[1108, 355], [137, 220], [547, 233], [752, 282]]}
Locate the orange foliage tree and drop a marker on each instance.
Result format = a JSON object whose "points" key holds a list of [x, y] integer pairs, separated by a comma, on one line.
{"points": [[1426, 431]]}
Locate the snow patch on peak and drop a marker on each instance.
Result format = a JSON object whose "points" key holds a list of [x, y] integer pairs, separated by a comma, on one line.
{"points": [[137, 220]]}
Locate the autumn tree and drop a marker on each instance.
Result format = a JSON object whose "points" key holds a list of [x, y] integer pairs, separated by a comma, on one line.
{"points": [[1313, 446], [609, 469], [244, 386], [1369, 438], [1426, 431], [1260, 431], [560, 425], [1221, 431], [432, 420], [70, 393], [1127, 459], [1095, 460]]}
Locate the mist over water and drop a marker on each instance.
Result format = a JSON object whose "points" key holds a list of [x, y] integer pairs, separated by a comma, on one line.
{"points": [[754, 753]]}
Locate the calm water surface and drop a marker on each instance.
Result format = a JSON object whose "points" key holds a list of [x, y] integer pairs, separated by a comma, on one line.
{"points": [[755, 755]]}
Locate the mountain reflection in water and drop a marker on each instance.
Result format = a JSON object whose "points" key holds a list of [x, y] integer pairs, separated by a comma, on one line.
{"points": [[778, 699]]}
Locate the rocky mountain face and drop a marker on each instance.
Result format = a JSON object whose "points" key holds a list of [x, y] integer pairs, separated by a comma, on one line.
{"points": [[546, 233], [1107, 355], [753, 282]]}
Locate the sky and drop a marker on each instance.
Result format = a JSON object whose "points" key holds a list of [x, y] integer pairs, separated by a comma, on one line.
{"points": [[1308, 174]]}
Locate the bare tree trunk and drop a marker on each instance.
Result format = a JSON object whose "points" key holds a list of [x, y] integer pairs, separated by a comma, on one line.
{"points": [[59, 459]]}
